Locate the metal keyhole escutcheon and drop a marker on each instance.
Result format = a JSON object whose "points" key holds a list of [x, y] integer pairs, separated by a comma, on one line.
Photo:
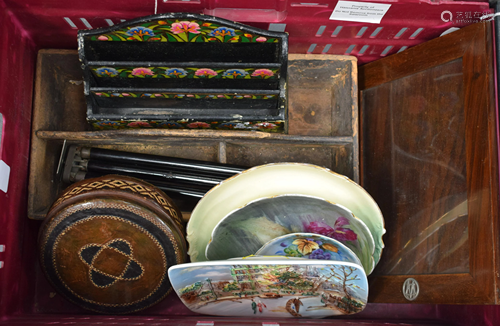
{"points": [[410, 289]]}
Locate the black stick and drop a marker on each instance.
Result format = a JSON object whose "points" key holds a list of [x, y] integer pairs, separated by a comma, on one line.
{"points": [[160, 161], [107, 168]]}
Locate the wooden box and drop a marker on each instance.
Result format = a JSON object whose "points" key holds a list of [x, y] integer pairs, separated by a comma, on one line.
{"points": [[323, 125]]}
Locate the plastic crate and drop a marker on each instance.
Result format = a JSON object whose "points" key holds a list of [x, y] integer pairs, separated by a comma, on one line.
{"points": [[30, 25]]}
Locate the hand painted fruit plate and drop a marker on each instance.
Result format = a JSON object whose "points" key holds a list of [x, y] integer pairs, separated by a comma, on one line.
{"points": [[269, 287], [279, 179], [245, 230], [308, 246]]}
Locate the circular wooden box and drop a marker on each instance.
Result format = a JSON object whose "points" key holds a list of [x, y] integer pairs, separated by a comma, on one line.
{"points": [[107, 243]]}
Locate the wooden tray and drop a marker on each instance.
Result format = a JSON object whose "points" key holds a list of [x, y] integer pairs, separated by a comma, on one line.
{"points": [[323, 125]]}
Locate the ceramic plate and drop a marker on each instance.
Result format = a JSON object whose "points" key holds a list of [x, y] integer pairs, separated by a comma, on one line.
{"points": [[271, 288], [244, 231], [309, 246], [278, 179]]}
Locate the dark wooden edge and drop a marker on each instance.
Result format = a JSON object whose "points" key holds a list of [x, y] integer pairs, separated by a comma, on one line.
{"points": [[355, 124], [493, 120], [473, 45], [482, 159], [361, 148]]}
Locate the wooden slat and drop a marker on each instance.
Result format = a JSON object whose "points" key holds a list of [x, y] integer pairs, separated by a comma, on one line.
{"points": [[133, 135]]}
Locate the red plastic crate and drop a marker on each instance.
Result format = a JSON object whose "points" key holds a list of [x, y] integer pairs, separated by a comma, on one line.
{"points": [[27, 26]]}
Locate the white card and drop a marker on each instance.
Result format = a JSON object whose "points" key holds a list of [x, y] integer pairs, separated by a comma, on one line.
{"points": [[363, 12], [4, 176]]}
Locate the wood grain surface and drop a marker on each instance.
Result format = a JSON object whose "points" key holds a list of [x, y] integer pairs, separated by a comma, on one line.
{"points": [[430, 159]]}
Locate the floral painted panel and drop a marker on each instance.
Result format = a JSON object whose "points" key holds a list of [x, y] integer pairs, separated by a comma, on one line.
{"points": [[274, 126], [186, 72], [189, 96], [268, 288], [170, 30]]}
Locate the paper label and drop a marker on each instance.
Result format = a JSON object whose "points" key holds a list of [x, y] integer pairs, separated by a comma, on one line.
{"points": [[363, 12], [4, 176]]}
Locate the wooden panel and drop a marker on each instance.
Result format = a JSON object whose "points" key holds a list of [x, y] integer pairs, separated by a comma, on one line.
{"points": [[335, 157], [62, 80], [318, 107], [429, 158]]}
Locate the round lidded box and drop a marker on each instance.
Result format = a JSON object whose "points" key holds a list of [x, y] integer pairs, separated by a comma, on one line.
{"points": [[107, 243]]}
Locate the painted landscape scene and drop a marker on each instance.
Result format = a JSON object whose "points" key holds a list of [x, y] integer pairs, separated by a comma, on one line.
{"points": [[273, 290]]}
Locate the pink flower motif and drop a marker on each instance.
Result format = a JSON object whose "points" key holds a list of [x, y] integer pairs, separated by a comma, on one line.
{"points": [[205, 72], [202, 125], [185, 27], [98, 94], [125, 94], [190, 95], [337, 232], [262, 73], [139, 124], [102, 38], [261, 39], [265, 125], [341, 233], [142, 72], [158, 95], [319, 228]]}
